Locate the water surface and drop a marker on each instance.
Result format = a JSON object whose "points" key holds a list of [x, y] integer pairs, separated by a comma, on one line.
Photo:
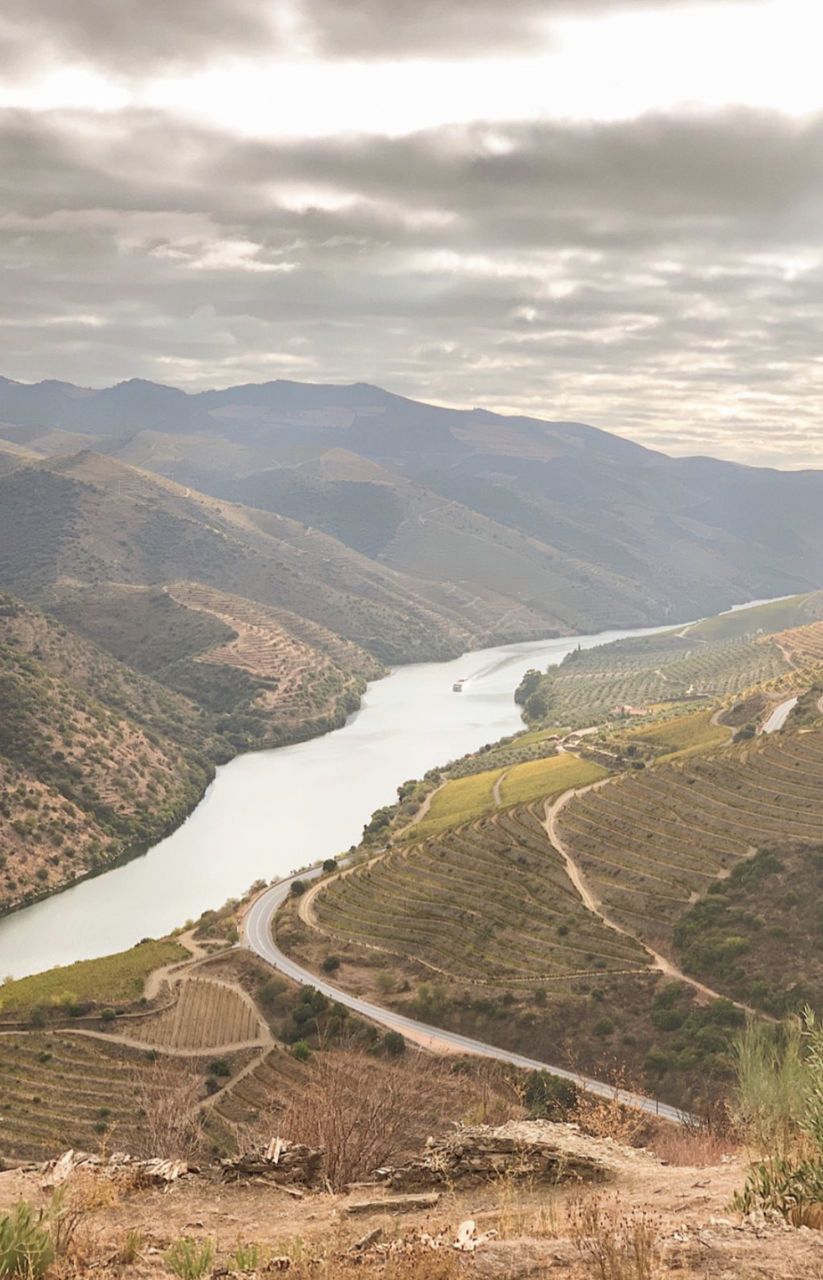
{"points": [[270, 812]]}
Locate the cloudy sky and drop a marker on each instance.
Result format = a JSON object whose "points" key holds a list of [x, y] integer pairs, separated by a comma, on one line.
{"points": [[590, 209]]}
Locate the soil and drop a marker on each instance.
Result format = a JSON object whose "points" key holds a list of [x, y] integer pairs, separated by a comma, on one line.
{"points": [[699, 1235]]}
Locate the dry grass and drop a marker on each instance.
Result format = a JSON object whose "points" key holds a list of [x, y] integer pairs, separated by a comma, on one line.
{"points": [[168, 1095], [615, 1243], [360, 1116], [691, 1148]]}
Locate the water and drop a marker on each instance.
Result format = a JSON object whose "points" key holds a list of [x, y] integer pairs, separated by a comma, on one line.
{"points": [[271, 812]]}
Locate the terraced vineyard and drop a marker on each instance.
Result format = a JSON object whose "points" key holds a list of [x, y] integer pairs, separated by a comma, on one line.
{"points": [[466, 798], [267, 1087], [651, 842], [58, 1091], [489, 901], [802, 645], [294, 680], [590, 683], [206, 1015]]}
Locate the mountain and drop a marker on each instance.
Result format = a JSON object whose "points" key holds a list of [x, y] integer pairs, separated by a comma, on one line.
{"points": [[555, 525], [93, 521]]}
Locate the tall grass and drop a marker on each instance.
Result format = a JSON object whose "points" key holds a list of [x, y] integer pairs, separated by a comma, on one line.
{"points": [[780, 1100]]}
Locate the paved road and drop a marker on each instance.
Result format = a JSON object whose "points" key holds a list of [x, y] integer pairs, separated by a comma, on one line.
{"points": [[258, 937], [779, 716]]}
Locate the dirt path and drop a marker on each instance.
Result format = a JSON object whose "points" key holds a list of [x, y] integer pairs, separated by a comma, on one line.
{"points": [[421, 812], [496, 789], [157, 977], [659, 962]]}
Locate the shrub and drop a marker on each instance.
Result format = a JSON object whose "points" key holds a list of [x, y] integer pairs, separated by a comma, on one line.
{"points": [[129, 1250], [330, 964], [298, 888], [301, 1051], [247, 1256], [549, 1097], [394, 1044], [26, 1244], [219, 1067], [189, 1258]]}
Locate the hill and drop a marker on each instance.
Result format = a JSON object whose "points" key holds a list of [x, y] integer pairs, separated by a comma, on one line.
{"points": [[101, 755], [90, 520], [95, 759], [576, 529]]}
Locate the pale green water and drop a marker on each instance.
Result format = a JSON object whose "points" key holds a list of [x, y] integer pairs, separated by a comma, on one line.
{"points": [[270, 812]]}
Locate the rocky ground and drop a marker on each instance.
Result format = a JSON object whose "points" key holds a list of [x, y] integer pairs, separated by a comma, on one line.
{"points": [[542, 1199]]}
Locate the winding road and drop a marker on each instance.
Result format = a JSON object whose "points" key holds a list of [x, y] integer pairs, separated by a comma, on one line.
{"points": [[257, 935]]}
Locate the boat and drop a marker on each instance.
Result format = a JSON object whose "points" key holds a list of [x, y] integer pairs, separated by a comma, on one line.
{"points": [[457, 687]]}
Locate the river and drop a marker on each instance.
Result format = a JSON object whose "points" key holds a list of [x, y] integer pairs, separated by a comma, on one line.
{"points": [[270, 812]]}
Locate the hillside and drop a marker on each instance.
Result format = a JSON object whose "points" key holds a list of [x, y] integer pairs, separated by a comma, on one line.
{"points": [[90, 520], [95, 759], [717, 658], [575, 529], [101, 755]]}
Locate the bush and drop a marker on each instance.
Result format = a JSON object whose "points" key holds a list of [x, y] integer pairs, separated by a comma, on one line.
{"points": [[549, 1097], [219, 1067], [393, 1044], [330, 964], [189, 1258], [298, 888], [301, 1051], [26, 1244]]}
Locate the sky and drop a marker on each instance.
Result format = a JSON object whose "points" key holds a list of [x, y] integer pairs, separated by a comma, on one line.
{"points": [[595, 210]]}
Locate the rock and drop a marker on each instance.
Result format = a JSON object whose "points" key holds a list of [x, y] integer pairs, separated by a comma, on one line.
{"points": [[530, 1151], [395, 1204], [280, 1162]]}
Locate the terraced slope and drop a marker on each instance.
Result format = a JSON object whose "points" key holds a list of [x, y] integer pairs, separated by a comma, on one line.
{"points": [[206, 1015], [267, 1087], [59, 1090], [590, 683], [489, 902], [94, 758], [802, 645], [651, 842]]}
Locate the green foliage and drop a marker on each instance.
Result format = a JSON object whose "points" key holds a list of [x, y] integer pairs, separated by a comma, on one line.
{"points": [[772, 1084], [247, 1256], [330, 964], [117, 978], [549, 1097], [780, 1099], [26, 1242], [794, 1188], [298, 888], [544, 778], [190, 1259], [645, 671], [301, 1050], [394, 1044]]}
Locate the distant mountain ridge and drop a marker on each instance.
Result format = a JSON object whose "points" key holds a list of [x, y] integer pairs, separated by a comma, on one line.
{"points": [[543, 525]]}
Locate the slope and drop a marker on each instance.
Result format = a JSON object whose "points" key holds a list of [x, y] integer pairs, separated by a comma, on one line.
{"points": [[91, 520], [619, 533]]}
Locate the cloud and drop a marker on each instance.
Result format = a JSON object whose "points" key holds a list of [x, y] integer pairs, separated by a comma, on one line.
{"points": [[147, 37], [132, 37], [660, 277]]}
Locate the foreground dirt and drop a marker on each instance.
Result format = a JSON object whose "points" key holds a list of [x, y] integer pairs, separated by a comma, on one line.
{"points": [[687, 1208]]}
